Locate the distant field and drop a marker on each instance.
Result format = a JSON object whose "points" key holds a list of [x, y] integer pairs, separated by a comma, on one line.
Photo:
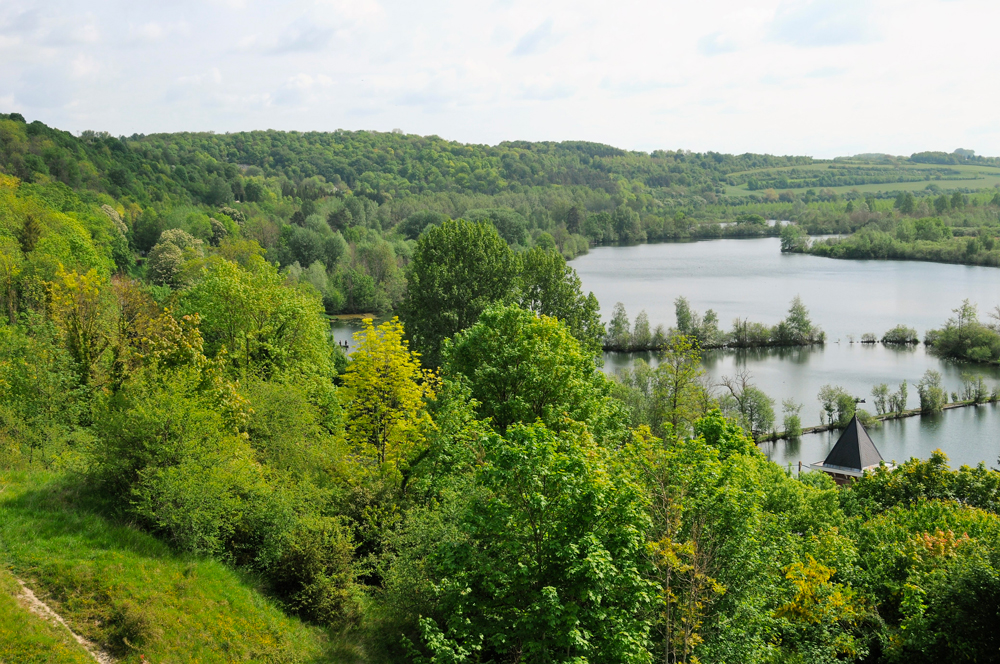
{"points": [[965, 176]]}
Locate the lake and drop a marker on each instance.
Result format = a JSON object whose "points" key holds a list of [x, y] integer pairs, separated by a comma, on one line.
{"points": [[753, 279]]}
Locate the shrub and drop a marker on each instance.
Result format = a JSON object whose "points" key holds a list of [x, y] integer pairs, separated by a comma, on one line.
{"points": [[932, 395], [792, 422], [217, 500], [166, 454], [314, 573], [900, 335], [129, 627]]}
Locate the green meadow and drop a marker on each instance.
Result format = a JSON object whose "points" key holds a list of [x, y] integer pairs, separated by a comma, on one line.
{"points": [[897, 176]]}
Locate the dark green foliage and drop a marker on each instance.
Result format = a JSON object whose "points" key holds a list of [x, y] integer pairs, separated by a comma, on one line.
{"points": [[750, 219], [964, 337], [511, 226], [314, 572], [797, 329], [461, 267], [458, 270], [955, 613], [926, 239], [932, 396], [902, 335], [549, 286], [29, 233], [416, 223], [794, 238], [905, 202], [627, 227]]}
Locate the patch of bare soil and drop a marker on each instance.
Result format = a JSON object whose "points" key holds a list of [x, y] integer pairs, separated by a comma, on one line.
{"points": [[41, 609]]}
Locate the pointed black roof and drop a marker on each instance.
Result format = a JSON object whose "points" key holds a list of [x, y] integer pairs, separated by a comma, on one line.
{"points": [[855, 450]]}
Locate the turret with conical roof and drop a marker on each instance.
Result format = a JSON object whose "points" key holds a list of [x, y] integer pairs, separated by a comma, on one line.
{"points": [[853, 454]]}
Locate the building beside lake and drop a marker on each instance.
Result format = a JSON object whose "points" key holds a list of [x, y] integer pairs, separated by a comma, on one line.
{"points": [[853, 454]]}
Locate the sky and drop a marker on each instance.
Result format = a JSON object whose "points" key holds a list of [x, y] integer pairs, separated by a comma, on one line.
{"points": [[823, 78]]}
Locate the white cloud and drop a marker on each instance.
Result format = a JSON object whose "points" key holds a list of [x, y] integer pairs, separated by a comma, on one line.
{"points": [[84, 66], [536, 41], [303, 37], [824, 22], [716, 43], [210, 77], [355, 11], [155, 31], [821, 77]]}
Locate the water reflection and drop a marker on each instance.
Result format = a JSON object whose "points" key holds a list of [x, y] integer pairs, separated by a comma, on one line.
{"points": [[752, 279], [343, 328], [967, 435]]}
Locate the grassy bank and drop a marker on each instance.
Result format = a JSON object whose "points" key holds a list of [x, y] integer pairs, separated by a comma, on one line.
{"points": [[27, 638], [126, 591]]}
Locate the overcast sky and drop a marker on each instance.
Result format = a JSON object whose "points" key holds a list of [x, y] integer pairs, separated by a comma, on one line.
{"points": [[817, 77]]}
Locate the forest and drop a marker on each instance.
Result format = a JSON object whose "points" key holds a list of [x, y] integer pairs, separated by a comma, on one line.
{"points": [[944, 229], [342, 210], [184, 450]]}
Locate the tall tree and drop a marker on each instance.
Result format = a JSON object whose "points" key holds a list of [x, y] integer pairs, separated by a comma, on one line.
{"points": [[458, 269], [619, 334], [549, 286], [385, 391], [265, 327], [524, 368], [82, 310], [551, 559]]}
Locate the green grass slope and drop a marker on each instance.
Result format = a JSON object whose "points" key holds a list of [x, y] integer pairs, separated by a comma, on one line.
{"points": [[128, 592], [28, 639]]}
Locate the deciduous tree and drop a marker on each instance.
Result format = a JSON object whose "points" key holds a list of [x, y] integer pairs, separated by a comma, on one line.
{"points": [[385, 392]]}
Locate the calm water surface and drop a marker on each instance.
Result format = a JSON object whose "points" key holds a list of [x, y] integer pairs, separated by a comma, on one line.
{"points": [[752, 279]]}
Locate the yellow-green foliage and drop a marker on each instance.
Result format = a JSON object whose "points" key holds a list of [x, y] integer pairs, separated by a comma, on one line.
{"points": [[64, 237], [131, 593], [384, 392], [266, 327]]}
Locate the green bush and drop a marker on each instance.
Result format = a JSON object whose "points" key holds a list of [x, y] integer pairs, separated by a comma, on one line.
{"points": [[129, 627], [932, 396], [216, 500], [170, 457], [900, 335], [314, 574]]}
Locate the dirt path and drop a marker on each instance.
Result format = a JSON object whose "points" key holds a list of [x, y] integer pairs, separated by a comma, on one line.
{"points": [[40, 608]]}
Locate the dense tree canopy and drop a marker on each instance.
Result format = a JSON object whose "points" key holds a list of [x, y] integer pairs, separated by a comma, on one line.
{"points": [[457, 271], [526, 368]]}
